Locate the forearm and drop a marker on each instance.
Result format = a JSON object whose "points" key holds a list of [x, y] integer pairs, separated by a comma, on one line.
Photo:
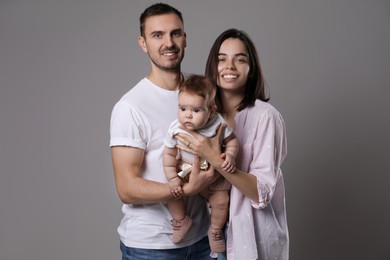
{"points": [[131, 187], [142, 191], [244, 182], [232, 146]]}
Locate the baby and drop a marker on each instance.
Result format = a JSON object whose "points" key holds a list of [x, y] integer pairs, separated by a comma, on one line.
{"points": [[197, 112]]}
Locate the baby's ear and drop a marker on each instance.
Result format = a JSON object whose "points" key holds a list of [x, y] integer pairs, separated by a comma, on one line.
{"points": [[212, 114], [213, 110]]}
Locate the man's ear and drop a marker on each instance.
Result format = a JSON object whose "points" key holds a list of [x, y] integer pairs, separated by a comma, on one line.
{"points": [[185, 37], [142, 43]]}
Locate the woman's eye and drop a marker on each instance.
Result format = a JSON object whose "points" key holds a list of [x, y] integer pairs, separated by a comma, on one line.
{"points": [[241, 60]]}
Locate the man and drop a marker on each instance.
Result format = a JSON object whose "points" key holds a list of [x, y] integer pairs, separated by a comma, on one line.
{"points": [[139, 123]]}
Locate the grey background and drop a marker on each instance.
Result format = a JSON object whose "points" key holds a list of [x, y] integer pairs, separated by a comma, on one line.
{"points": [[63, 65]]}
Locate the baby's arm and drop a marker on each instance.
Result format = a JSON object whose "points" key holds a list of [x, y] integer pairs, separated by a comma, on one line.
{"points": [[230, 153], [174, 181]]}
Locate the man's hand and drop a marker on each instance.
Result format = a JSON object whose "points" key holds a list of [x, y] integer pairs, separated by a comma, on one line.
{"points": [[198, 179]]}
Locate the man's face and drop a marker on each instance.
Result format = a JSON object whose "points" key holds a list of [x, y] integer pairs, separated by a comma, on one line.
{"points": [[164, 40]]}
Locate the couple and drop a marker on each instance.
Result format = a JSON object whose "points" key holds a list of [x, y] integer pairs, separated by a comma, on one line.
{"points": [[257, 225]]}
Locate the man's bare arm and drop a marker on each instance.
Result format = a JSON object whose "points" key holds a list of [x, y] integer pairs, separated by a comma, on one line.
{"points": [[131, 187]]}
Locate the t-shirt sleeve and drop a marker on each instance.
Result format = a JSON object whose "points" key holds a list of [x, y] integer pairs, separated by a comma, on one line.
{"points": [[127, 127]]}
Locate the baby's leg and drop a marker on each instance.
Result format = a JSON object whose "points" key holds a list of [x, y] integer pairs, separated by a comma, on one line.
{"points": [[219, 202], [181, 223], [177, 208]]}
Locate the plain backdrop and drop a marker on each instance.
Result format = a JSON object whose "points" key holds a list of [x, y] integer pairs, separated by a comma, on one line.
{"points": [[64, 63]]}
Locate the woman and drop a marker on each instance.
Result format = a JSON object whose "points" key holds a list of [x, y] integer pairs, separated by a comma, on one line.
{"points": [[257, 227]]}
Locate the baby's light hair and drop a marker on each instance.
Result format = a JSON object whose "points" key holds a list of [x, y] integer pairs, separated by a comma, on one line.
{"points": [[200, 86]]}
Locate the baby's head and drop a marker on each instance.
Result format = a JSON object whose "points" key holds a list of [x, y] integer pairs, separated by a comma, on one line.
{"points": [[196, 102]]}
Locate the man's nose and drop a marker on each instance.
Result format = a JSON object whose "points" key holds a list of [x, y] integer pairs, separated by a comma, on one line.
{"points": [[168, 41]]}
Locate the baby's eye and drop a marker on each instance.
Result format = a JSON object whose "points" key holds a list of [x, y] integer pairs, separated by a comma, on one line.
{"points": [[196, 110], [182, 109]]}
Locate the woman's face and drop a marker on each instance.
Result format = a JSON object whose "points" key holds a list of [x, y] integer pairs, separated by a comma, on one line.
{"points": [[233, 65]]}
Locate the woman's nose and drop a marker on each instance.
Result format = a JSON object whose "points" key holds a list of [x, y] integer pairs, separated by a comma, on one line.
{"points": [[230, 65]]}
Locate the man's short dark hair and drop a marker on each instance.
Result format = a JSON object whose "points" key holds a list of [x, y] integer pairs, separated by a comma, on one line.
{"points": [[157, 9]]}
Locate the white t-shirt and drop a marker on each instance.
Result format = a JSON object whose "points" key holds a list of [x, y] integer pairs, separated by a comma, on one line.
{"points": [[141, 119]]}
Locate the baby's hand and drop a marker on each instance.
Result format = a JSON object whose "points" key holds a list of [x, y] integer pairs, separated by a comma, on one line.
{"points": [[229, 165], [175, 184]]}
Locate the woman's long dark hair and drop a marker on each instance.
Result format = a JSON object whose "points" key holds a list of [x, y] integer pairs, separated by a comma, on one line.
{"points": [[254, 88]]}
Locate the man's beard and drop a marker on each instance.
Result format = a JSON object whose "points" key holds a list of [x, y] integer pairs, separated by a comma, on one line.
{"points": [[173, 67]]}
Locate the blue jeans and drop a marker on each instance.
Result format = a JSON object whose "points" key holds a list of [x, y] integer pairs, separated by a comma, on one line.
{"points": [[198, 251]]}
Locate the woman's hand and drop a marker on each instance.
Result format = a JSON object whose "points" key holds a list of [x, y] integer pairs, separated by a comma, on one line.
{"points": [[206, 148]]}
